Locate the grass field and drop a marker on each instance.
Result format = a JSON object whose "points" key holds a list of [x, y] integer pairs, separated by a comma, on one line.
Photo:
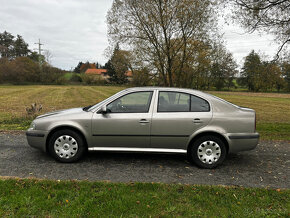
{"points": [[273, 110], [33, 198]]}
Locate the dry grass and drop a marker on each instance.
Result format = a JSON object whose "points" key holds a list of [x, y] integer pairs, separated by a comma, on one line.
{"points": [[273, 110], [14, 99]]}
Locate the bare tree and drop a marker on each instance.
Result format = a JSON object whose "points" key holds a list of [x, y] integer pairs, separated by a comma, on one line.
{"points": [[271, 16], [160, 32], [48, 56]]}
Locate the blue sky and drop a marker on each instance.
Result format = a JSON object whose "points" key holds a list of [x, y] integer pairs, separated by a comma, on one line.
{"points": [[74, 30]]}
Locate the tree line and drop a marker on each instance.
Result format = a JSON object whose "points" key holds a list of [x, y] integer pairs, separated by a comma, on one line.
{"points": [[172, 43], [20, 65], [177, 43], [261, 75]]}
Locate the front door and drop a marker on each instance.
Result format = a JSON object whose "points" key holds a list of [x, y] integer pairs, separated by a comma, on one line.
{"points": [[127, 123]]}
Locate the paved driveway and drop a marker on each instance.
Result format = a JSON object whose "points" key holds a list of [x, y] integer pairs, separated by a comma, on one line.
{"points": [[267, 166]]}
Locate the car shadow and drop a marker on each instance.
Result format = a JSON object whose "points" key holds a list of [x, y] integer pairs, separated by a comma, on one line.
{"points": [[142, 159], [154, 158]]}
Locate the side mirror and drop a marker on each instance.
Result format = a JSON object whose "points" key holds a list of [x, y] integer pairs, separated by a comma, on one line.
{"points": [[103, 110]]}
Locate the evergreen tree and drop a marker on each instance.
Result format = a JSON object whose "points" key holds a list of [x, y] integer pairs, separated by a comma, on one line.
{"points": [[78, 67], [117, 66], [20, 47], [6, 43], [251, 71]]}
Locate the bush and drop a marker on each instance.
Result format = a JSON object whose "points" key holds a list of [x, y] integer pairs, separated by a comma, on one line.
{"points": [[19, 70], [141, 77], [75, 78], [24, 70], [93, 80], [52, 75]]}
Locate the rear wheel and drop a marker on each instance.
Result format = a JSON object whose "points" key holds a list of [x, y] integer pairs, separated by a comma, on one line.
{"points": [[66, 146], [207, 152]]}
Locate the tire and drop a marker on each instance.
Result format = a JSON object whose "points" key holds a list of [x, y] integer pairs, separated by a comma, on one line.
{"points": [[66, 146], [207, 152]]}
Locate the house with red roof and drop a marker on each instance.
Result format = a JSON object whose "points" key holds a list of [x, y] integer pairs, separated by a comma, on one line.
{"points": [[102, 74]]}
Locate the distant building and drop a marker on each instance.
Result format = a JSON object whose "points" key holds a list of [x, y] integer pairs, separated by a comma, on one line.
{"points": [[129, 75], [101, 73], [85, 66]]}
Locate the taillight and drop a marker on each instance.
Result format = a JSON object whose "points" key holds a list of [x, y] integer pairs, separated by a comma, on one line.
{"points": [[255, 122]]}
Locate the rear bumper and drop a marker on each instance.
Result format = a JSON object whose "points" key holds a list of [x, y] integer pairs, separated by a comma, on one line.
{"points": [[37, 138], [242, 141]]}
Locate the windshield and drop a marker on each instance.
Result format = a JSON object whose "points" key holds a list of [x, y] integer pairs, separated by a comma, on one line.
{"points": [[108, 99]]}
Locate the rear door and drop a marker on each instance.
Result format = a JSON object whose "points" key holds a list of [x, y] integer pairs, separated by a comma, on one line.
{"points": [[177, 115]]}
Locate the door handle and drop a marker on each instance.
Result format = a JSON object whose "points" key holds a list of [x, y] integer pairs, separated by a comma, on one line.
{"points": [[143, 121], [197, 120]]}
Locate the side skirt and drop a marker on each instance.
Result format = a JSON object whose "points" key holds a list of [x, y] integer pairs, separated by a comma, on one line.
{"points": [[158, 150]]}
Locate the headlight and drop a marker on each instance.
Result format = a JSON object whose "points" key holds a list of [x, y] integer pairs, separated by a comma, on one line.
{"points": [[32, 126]]}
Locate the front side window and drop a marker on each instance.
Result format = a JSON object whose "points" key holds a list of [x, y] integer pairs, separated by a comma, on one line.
{"points": [[173, 102], [137, 102]]}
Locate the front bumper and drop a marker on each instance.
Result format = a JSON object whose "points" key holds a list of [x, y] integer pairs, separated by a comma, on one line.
{"points": [[37, 138], [242, 141]]}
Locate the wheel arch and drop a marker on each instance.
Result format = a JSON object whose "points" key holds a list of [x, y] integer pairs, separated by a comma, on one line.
{"points": [[209, 133], [65, 127]]}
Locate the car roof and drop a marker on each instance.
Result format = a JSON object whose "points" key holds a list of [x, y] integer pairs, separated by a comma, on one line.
{"points": [[148, 88], [198, 93]]}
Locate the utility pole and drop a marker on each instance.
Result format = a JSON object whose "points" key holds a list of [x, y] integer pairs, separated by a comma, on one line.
{"points": [[39, 51], [39, 57]]}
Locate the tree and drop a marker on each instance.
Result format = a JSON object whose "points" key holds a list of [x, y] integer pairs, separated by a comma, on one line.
{"points": [[20, 47], [78, 67], [223, 67], [286, 73], [11, 47], [6, 43], [262, 75], [48, 56], [141, 77], [265, 15], [99, 66], [160, 32], [118, 65], [271, 76], [251, 71]]}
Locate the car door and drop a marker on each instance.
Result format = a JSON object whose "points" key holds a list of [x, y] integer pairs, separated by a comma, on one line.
{"points": [[177, 115], [127, 123]]}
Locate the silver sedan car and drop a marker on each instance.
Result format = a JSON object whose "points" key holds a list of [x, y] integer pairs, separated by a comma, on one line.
{"points": [[149, 119]]}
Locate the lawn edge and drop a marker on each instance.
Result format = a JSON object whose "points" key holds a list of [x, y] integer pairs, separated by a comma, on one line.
{"points": [[35, 179]]}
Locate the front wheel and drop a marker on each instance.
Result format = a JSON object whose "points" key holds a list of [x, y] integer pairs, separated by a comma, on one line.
{"points": [[66, 146], [207, 152]]}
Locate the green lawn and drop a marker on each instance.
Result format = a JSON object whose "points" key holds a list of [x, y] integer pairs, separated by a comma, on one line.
{"points": [[33, 198], [273, 110]]}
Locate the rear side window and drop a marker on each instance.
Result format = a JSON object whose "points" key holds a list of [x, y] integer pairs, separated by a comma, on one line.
{"points": [[199, 104], [181, 102], [173, 102]]}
